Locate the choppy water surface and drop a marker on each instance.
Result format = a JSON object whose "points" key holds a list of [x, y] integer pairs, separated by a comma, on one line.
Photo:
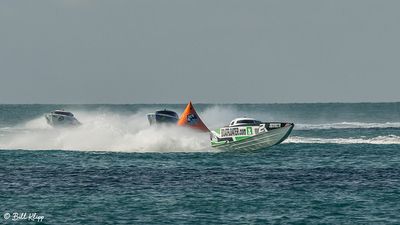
{"points": [[341, 165]]}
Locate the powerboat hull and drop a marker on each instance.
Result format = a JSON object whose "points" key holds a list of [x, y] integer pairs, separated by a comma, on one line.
{"points": [[163, 117], [259, 141], [57, 120]]}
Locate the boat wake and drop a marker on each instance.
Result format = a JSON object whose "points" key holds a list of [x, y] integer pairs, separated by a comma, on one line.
{"points": [[347, 125], [127, 132], [379, 140], [104, 131]]}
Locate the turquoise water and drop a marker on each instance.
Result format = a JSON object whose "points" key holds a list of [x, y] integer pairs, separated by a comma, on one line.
{"points": [[341, 165]]}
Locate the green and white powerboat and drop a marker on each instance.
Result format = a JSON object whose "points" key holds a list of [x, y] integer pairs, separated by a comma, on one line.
{"points": [[250, 134]]}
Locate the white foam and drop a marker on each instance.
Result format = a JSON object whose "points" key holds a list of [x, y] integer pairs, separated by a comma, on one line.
{"points": [[379, 140], [217, 116], [110, 131], [347, 125], [105, 131]]}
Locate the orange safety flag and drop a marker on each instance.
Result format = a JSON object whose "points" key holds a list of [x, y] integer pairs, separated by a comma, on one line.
{"points": [[190, 118]]}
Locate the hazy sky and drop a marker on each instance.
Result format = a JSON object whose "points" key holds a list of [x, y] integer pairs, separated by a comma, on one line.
{"points": [[217, 51]]}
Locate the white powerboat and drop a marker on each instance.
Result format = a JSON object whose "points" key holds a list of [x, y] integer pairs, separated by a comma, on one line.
{"points": [[250, 134], [58, 118]]}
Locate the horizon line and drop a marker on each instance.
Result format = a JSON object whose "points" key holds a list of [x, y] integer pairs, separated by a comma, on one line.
{"points": [[206, 103]]}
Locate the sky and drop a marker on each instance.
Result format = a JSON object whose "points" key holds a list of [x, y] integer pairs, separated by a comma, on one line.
{"points": [[208, 51]]}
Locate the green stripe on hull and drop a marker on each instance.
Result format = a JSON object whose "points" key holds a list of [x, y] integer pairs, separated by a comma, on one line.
{"points": [[240, 138], [237, 139]]}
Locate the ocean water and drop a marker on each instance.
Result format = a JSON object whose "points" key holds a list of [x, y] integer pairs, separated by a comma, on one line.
{"points": [[341, 165]]}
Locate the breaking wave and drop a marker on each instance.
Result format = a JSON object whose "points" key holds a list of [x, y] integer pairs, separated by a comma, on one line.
{"points": [[379, 140]]}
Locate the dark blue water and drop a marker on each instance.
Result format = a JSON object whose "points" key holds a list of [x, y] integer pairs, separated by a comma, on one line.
{"points": [[337, 168]]}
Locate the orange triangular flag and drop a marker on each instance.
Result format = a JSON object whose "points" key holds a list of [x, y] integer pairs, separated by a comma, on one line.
{"points": [[190, 118]]}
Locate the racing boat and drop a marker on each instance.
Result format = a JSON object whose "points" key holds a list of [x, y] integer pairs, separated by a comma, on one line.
{"points": [[250, 134], [58, 118], [163, 116]]}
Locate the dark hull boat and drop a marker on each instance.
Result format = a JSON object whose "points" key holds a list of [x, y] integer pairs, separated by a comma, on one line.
{"points": [[163, 117]]}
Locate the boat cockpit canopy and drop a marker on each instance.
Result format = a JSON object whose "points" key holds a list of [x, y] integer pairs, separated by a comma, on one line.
{"points": [[244, 122], [168, 113], [63, 113]]}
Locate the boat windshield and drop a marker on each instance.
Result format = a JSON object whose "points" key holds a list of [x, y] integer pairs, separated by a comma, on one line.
{"points": [[63, 113], [252, 122], [167, 112]]}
